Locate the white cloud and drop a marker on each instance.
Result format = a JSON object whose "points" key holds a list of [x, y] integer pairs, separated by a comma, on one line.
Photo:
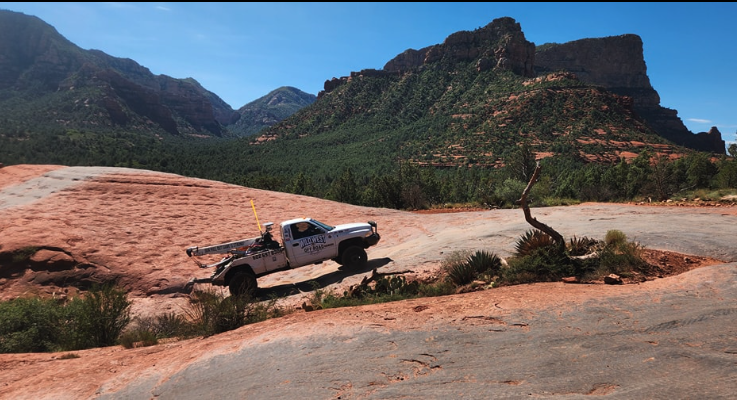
{"points": [[699, 121]]}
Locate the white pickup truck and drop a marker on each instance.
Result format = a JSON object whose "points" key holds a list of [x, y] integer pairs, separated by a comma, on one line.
{"points": [[305, 241]]}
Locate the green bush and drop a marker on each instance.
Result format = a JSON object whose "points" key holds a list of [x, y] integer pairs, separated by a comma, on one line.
{"points": [[623, 259], [30, 325], [463, 267], [510, 191], [42, 325], [146, 331], [541, 264], [381, 290], [453, 258], [440, 288], [322, 298], [167, 325], [615, 237], [395, 285], [462, 273], [97, 319], [211, 312], [559, 201]]}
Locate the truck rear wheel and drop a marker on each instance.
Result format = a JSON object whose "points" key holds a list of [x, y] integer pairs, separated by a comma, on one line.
{"points": [[354, 257], [243, 283]]}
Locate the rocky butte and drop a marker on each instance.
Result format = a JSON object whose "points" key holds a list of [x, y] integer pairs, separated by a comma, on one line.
{"points": [[615, 63]]}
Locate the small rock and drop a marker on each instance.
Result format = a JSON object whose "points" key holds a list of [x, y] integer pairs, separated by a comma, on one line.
{"points": [[613, 279]]}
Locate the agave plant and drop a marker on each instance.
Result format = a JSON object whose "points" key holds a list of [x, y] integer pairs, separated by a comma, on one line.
{"points": [[485, 262], [532, 240], [581, 246], [462, 273]]}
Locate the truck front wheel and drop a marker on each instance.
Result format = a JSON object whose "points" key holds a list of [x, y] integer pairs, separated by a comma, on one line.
{"points": [[243, 283], [354, 257]]}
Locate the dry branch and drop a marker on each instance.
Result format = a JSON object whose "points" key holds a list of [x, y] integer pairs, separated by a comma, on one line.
{"points": [[557, 237]]}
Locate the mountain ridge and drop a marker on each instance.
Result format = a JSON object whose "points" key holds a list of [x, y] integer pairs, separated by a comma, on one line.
{"points": [[479, 100]]}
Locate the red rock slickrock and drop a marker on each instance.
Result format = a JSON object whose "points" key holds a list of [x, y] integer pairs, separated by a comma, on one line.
{"points": [[134, 226]]}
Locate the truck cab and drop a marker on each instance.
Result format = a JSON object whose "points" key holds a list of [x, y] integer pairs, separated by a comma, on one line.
{"points": [[309, 241]]}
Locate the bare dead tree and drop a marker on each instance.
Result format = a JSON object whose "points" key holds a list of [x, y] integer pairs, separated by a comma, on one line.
{"points": [[557, 237]]}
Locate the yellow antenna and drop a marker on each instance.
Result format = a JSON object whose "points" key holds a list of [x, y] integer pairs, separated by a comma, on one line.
{"points": [[254, 213]]}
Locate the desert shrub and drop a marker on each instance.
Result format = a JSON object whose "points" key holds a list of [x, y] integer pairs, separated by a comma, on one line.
{"points": [[321, 298], [97, 319], [382, 290], [453, 258], [702, 194], [395, 285], [439, 288], [559, 201], [532, 240], [537, 259], [29, 325], [456, 269], [542, 264], [146, 331], [211, 312], [622, 259], [453, 261], [463, 268], [615, 238], [167, 325], [461, 273], [509, 191], [356, 296], [579, 246], [41, 325], [713, 195]]}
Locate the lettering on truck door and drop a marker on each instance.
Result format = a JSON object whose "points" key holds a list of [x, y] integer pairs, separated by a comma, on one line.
{"points": [[309, 243]]}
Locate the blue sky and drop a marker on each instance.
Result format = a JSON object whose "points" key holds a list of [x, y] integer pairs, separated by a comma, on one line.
{"points": [[242, 51]]}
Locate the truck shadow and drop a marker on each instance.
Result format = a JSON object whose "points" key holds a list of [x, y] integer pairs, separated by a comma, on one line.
{"points": [[320, 282]]}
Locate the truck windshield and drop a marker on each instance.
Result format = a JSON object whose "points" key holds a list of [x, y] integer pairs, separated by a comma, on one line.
{"points": [[327, 227]]}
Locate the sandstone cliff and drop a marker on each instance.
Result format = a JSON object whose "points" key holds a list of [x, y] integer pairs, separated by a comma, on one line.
{"points": [[500, 44], [617, 63]]}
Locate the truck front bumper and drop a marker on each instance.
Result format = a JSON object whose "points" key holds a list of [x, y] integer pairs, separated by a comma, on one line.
{"points": [[372, 239]]}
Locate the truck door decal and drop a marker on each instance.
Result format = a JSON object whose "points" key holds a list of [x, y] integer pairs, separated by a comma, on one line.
{"points": [[312, 244]]}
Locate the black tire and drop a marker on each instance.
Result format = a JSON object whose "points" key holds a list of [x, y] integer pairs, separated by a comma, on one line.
{"points": [[354, 257], [243, 283]]}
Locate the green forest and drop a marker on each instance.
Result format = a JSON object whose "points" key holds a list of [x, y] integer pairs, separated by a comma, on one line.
{"points": [[441, 136]]}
